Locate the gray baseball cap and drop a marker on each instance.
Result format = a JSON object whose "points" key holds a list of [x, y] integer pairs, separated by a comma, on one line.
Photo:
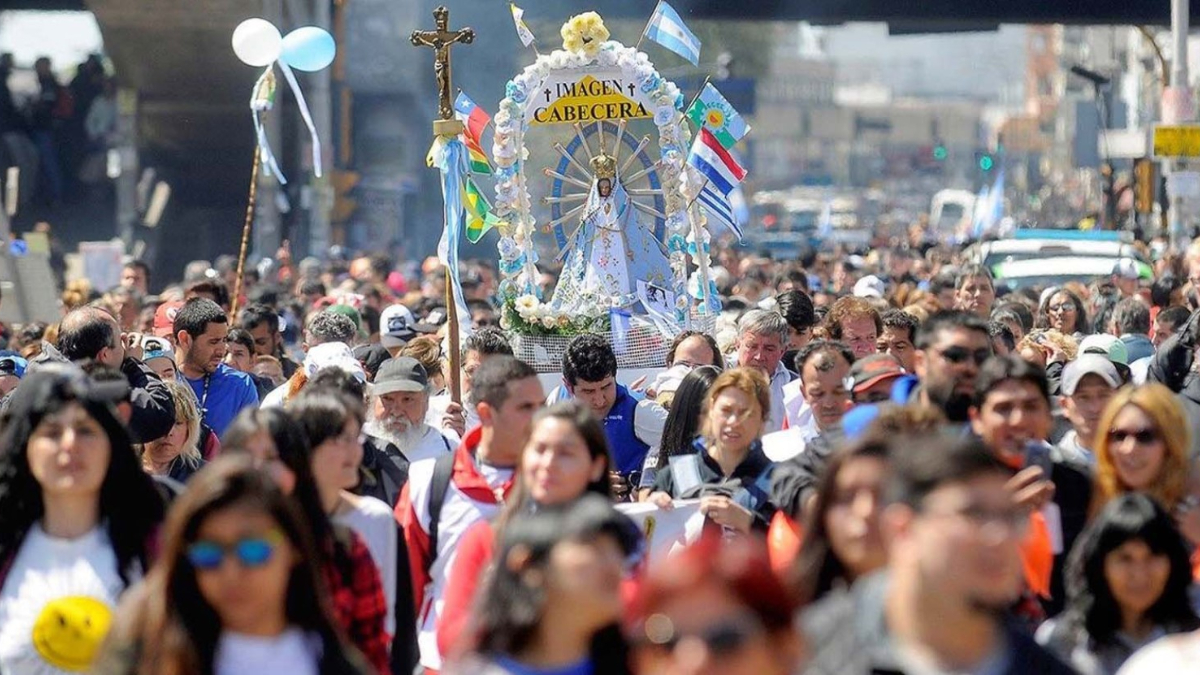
{"points": [[402, 373], [1089, 364]]}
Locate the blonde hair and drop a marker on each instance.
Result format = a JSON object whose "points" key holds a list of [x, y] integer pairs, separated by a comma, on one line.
{"points": [[749, 381], [1159, 404], [427, 351], [188, 410], [1066, 343]]}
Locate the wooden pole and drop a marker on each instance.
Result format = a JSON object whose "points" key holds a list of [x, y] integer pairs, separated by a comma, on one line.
{"points": [[453, 339], [237, 284]]}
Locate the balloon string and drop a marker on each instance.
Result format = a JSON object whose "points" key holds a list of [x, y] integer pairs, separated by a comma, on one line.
{"points": [[237, 284], [304, 113], [262, 99]]}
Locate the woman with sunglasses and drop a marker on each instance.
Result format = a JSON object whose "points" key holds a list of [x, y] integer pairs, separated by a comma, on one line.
{"points": [[552, 603], [236, 590], [842, 542], [1064, 312], [1128, 583], [716, 608], [279, 446], [77, 521], [727, 469], [177, 455], [565, 459]]}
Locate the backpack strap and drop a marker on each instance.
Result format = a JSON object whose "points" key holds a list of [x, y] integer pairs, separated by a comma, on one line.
{"points": [[443, 472]]}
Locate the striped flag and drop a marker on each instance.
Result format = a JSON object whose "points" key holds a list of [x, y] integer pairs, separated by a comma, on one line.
{"points": [[476, 157], [714, 113], [668, 30], [719, 209], [523, 31], [715, 163]]}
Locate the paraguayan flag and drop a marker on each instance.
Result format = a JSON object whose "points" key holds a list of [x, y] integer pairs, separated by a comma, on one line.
{"points": [[668, 30]]}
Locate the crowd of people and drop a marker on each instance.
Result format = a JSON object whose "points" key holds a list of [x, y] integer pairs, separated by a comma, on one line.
{"points": [[57, 133], [899, 467]]}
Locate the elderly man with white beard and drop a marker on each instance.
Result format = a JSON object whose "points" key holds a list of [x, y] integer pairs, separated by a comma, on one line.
{"points": [[396, 416]]}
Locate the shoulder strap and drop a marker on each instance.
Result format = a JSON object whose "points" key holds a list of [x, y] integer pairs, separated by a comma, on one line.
{"points": [[443, 472]]}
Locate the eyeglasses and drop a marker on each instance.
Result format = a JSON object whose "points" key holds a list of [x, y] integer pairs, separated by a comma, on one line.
{"points": [[1141, 436], [960, 355], [722, 638], [1061, 307], [250, 551]]}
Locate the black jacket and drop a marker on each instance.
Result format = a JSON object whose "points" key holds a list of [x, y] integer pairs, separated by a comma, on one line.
{"points": [[848, 635], [749, 485], [1172, 366], [383, 471], [153, 407], [796, 479]]}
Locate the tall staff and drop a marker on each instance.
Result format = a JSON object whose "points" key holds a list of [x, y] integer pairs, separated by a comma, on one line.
{"points": [[450, 160]]}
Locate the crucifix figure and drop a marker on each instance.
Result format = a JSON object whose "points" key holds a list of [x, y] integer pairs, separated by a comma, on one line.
{"points": [[441, 39]]}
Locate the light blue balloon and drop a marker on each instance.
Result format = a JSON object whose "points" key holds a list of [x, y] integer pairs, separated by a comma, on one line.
{"points": [[309, 49]]}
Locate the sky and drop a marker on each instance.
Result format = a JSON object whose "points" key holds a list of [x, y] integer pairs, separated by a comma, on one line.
{"points": [[66, 37]]}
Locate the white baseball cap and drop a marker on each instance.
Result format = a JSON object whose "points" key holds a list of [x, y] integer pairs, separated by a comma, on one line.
{"points": [[396, 326], [333, 355], [869, 286]]}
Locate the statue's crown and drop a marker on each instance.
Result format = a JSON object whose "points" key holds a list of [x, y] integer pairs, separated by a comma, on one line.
{"points": [[604, 166]]}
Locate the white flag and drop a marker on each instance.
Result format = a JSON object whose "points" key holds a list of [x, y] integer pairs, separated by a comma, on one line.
{"points": [[523, 31]]}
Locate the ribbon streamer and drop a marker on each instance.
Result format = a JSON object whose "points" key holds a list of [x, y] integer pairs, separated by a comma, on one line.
{"points": [[304, 113], [450, 157], [262, 100]]}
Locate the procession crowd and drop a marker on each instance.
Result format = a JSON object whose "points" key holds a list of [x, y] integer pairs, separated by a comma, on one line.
{"points": [[899, 466]]}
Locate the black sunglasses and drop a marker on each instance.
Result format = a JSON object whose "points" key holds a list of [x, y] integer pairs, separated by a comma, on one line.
{"points": [[721, 639], [1142, 436], [960, 355]]}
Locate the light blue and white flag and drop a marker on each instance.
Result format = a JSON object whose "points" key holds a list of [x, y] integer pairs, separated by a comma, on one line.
{"points": [[668, 30], [718, 209], [825, 221]]}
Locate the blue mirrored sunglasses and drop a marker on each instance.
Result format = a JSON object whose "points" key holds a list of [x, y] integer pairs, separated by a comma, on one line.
{"points": [[249, 551]]}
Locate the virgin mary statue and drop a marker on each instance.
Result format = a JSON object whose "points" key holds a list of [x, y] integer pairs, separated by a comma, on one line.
{"points": [[610, 251]]}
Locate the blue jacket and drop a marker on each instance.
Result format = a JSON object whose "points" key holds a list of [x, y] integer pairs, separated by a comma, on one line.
{"points": [[229, 391], [628, 451]]}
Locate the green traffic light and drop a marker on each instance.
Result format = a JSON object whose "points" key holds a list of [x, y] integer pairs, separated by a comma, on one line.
{"points": [[939, 153], [986, 162]]}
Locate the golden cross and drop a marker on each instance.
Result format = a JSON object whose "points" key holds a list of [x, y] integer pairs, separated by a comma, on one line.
{"points": [[441, 39]]}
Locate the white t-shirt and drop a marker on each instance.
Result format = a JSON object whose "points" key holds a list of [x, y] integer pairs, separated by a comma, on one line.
{"points": [[57, 603], [432, 445], [293, 652], [277, 397], [374, 522], [438, 403]]}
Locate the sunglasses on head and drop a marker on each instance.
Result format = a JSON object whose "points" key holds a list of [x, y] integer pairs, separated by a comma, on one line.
{"points": [[721, 639], [960, 355], [249, 551], [1141, 436]]}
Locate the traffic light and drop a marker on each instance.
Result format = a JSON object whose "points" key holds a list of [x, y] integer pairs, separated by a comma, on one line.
{"points": [[986, 162], [344, 205], [940, 153], [1143, 185]]}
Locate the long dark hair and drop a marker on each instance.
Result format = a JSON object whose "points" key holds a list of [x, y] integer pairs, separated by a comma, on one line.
{"points": [[1081, 315], [683, 420], [817, 567], [509, 608], [130, 504], [589, 428], [324, 413], [1130, 517], [171, 622], [294, 450]]}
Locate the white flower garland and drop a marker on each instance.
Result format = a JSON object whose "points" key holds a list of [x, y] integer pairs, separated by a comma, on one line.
{"points": [[518, 256]]}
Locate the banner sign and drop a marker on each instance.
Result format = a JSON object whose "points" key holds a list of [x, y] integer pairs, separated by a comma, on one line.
{"points": [[587, 95]]}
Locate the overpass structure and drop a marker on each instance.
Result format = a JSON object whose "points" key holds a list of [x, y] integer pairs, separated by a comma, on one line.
{"points": [[194, 127]]}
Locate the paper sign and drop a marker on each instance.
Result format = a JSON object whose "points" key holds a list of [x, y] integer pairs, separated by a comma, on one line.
{"points": [[666, 531], [102, 261], [586, 95]]}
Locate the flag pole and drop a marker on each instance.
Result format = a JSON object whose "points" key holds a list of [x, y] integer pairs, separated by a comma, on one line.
{"points": [[697, 96], [701, 255]]}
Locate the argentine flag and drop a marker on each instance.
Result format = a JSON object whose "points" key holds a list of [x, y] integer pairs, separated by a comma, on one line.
{"points": [[668, 30]]}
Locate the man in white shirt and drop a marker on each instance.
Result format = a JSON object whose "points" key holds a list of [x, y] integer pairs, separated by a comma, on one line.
{"points": [[477, 348], [762, 336]]}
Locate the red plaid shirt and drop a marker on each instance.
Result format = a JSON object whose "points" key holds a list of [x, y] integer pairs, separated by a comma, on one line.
{"points": [[358, 603]]}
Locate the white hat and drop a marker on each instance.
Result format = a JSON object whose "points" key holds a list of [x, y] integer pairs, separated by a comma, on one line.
{"points": [[1126, 268], [396, 326], [1089, 364], [333, 355], [869, 286], [154, 347]]}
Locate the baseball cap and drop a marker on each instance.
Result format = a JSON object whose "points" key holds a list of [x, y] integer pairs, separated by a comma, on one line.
{"points": [[402, 373], [154, 347], [1106, 345], [869, 286], [1126, 268], [333, 355], [164, 318], [872, 370], [350, 313], [1089, 364], [396, 326], [12, 363], [433, 321], [371, 357]]}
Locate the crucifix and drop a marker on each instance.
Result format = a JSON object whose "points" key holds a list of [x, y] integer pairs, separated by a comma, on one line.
{"points": [[441, 39]]}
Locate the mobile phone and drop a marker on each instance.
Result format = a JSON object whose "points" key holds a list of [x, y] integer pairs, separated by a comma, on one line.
{"points": [[1037, 453]]}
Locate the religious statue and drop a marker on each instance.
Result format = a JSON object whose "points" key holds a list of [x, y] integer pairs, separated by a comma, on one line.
{"points": [[611, 250], [441, 39]]}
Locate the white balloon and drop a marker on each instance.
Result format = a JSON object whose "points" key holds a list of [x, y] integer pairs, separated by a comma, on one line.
{"points": [[257, 42]]}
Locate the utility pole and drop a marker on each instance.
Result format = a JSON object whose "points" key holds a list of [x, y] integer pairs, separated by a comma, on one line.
{"points": [[321, 99], [1179, 108]]}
